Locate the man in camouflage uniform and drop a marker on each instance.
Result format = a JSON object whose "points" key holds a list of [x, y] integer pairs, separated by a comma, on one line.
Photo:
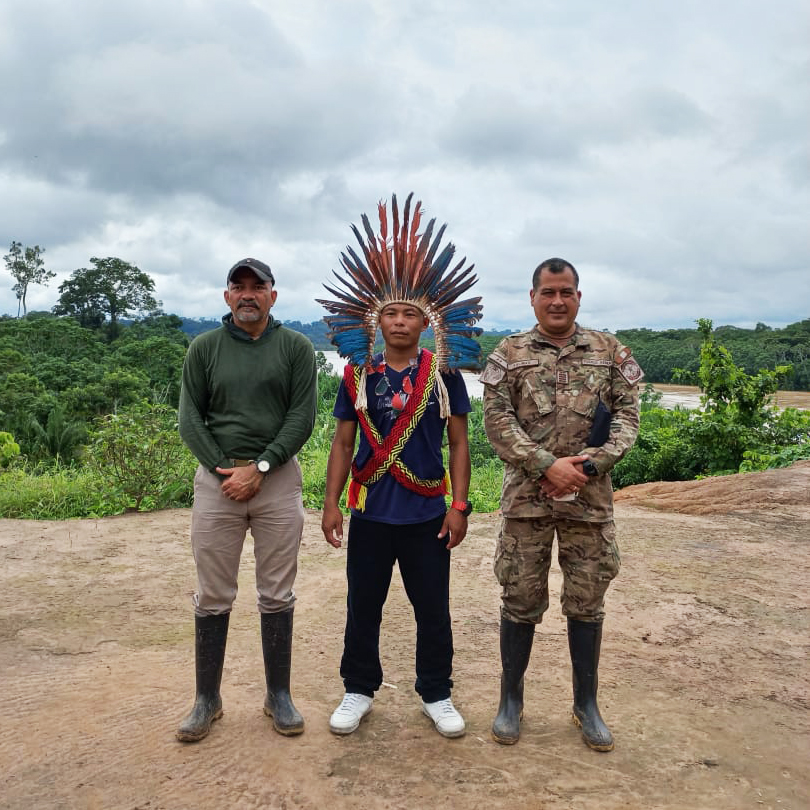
{"points": [[560, 409]]}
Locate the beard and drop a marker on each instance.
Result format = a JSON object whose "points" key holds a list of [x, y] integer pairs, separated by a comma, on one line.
{"points": [[248, 314]]}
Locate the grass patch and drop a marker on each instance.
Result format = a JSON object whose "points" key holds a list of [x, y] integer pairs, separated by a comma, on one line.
{"points": [[57, 494]]}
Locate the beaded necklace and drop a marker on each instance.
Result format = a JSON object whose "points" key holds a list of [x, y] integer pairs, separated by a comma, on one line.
{"points": [[383, 386]]}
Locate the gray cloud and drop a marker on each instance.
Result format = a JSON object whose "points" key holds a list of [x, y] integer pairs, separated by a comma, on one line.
{"points": [[661, 149]]}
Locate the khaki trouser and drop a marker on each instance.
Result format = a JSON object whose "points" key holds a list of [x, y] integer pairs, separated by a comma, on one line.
{"points": [[588, 557], [275, 517]]}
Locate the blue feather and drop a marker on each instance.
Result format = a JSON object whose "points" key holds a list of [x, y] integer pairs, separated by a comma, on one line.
{"points": [[415, 270]]}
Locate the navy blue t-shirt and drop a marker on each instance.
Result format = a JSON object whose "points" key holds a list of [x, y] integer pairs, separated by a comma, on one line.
{"points": [[388, 501]]}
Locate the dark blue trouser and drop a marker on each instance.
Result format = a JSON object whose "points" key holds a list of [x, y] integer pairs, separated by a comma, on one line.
{"points": [[424, 564]]}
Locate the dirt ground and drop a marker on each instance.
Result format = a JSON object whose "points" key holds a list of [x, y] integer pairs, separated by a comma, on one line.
{"points": [[704, 676]]}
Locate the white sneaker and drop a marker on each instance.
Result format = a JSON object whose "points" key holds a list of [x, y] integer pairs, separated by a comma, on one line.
{"points": [[353, 708], [449, 723]]}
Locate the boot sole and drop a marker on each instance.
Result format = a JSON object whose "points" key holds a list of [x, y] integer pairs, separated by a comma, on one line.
{"points": [[503, 740], [594, 746], [188, 736], [506, 740], [288, 731]]}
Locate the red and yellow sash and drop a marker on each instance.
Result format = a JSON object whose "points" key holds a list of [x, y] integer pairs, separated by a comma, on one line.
{"points": [[385, 455]]}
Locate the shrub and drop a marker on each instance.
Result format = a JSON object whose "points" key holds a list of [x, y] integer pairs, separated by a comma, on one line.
{"points": [[138, 453], [785, 439], [481, 452], [661, 451], [9, 449], [313, 457]]}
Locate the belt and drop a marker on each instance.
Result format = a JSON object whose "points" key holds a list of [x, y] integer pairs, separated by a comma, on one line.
{"points": [[241, 462]]}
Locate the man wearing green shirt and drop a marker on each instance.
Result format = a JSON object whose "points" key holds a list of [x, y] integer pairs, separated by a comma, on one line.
{"points": [[247, 406]]}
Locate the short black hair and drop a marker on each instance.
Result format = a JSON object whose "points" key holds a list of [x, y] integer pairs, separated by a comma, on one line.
{"points": [[554, 266]]}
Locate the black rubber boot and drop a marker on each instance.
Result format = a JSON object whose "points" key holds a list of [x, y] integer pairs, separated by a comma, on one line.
{"points": [[584, 642], [277, 648], [516, 648], [211, 633]]}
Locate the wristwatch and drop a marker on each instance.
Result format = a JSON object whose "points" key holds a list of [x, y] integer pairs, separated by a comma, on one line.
{"points": [[589, 468], [262, 465], [465, 507]]}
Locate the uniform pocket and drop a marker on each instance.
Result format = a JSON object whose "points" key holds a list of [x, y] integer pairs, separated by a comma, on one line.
{"points": [[595, 388], [506, 562], [610, 561], [535, 390]]}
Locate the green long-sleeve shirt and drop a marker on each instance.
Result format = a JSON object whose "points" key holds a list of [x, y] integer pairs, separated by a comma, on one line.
{"points": [[248, 399]]}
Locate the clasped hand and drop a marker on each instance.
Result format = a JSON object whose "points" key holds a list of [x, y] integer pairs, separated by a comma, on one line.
{"points": [[241, 483], [564, 476]]}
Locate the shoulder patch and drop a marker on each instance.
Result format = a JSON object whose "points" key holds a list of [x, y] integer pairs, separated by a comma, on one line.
{"points": [[497, 358], [631, 371], [622, 355], [492, 374]]}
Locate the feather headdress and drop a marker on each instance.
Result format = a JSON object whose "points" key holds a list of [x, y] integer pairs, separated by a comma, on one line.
{"points": [[406, 267]]}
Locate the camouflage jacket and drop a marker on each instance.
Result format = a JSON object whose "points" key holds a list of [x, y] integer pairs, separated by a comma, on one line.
{"points": [[539, 405]]}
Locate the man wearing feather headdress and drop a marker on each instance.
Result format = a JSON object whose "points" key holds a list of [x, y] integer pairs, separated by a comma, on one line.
{"points": [[560, 409], [403, 399]]}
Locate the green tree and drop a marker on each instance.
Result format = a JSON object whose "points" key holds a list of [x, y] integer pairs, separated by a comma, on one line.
{"points": [[116, 389], [27, 267], [11, 360], [111, 288], [737, 429], [21, 397], [726, 385], [160, 358], [59, 437], [62, 338], [156, 323], [737, 417], [58, 375]]}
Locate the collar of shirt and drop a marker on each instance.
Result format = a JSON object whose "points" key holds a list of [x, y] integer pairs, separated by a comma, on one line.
{"points": [[241, 334]]}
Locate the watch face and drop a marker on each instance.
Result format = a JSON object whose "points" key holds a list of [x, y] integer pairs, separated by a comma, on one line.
{"points": [[468, 509], [263, 465]]}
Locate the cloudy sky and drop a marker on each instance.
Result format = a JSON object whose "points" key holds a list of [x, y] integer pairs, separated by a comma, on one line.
{"points": [[662, 147]]}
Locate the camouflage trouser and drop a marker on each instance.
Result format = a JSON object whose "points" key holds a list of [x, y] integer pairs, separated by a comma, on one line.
{"points": [[588, 556]]}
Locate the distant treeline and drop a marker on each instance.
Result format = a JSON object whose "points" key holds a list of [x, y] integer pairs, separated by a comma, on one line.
{"points": [[317, 332], [658, 352], [763, 347]]}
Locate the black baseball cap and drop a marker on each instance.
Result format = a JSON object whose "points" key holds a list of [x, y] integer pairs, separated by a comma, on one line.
{"points": [[259, 269]]}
